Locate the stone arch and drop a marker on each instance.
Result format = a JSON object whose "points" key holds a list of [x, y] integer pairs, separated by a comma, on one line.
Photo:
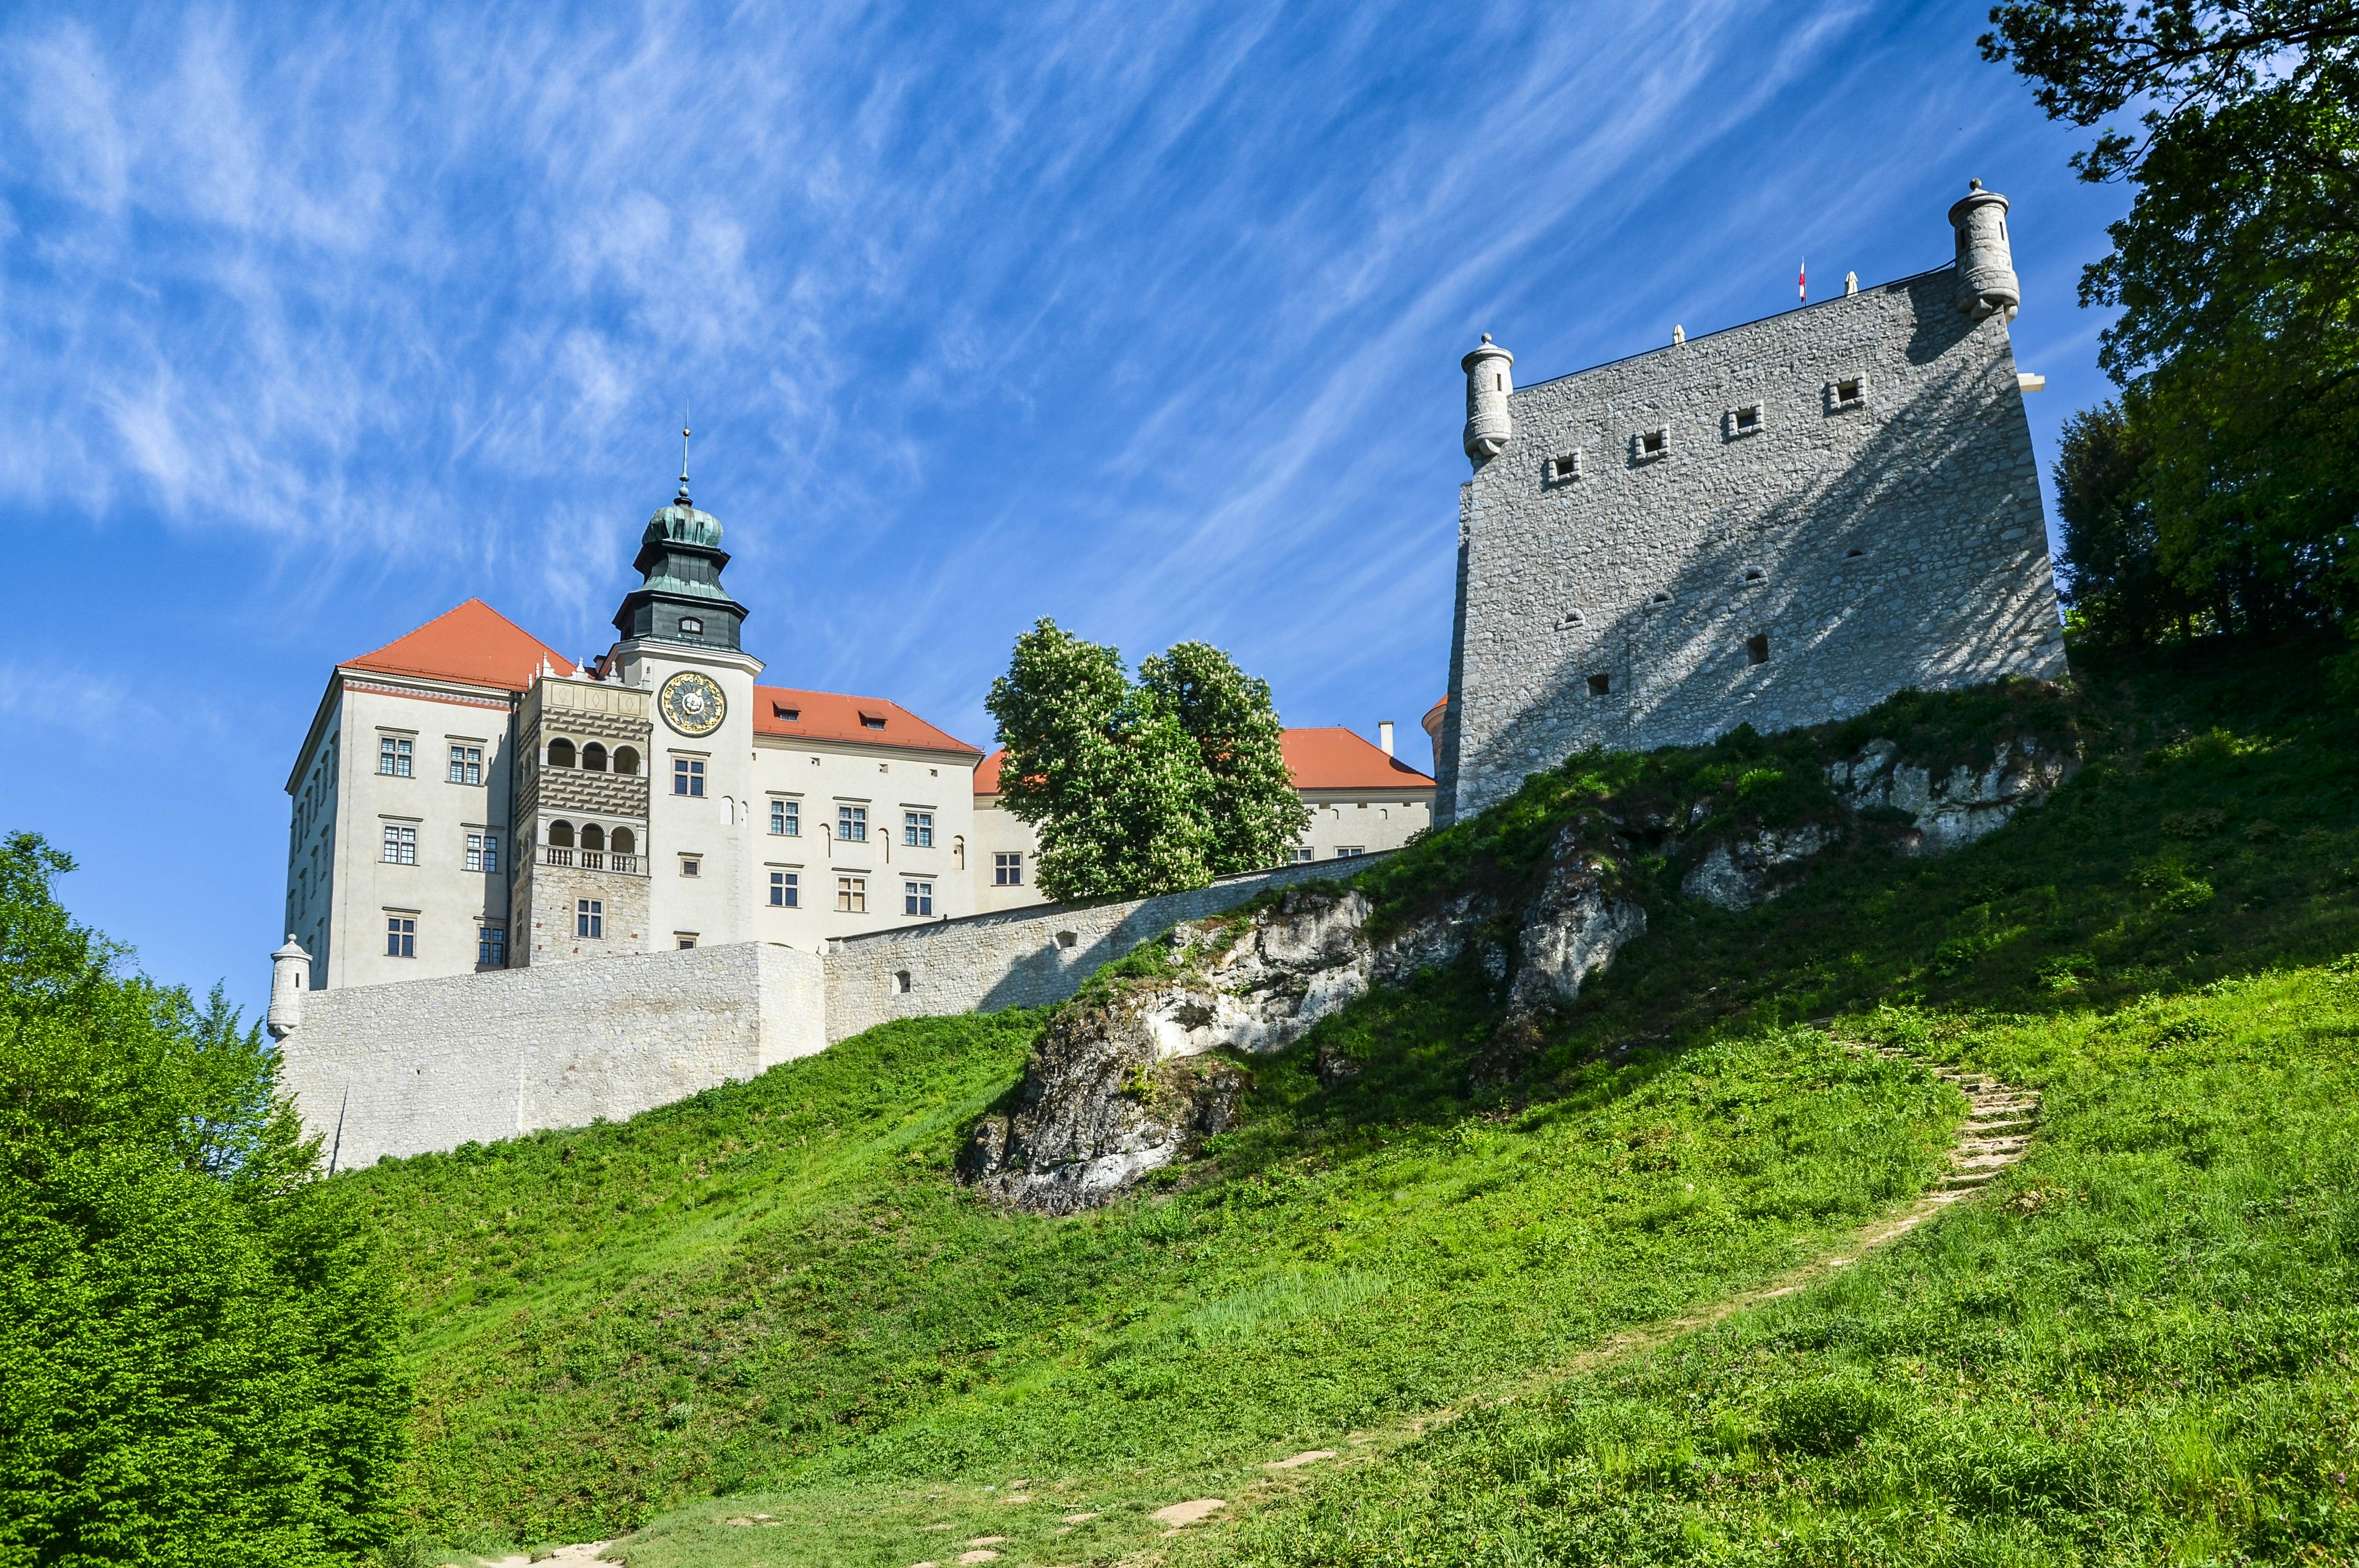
{"points": [[561, 753], [560, 835], [622, 842], [627, 761], [592, 836], [593, 757]]}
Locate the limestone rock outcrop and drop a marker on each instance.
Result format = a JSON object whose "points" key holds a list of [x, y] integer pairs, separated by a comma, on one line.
{"points": [[1958, 807], [1753, 870]]}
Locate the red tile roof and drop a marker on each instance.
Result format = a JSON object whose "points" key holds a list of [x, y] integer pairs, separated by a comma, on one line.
{"points": [[473, 643], [1334, 758], [831, 715], [1338, 759]]}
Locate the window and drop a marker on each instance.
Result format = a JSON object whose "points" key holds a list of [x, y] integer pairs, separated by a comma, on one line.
{"points": [[918, 829], [1562, 470], [1008, 870], [1744, 421], [560, 836], [623, 842], [1757, 650], [689, 865], [466, 764], [691, 627], [901, 981], [872, 720], [687, 776], [786, 890], [400, 936], [561, 753], [401, 846], [787, 818], [1347, 851], [685, 938], [852, 824], [917, 898], [594, 758], [1600, 684], [626, 762], [851, 895], [590, 917], [394, 756], [491, 947], [1304, 852], [780, 710], [1650, 444], [483, 852], [1848, 392], [594, 836]]}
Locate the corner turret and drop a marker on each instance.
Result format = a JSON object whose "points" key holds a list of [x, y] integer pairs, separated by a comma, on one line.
{"points": [[290, 978], [1489, 383], [1986, 283]]}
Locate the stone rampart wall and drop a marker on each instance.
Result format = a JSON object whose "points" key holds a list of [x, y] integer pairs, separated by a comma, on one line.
{"points": [[1019, 958], [1609, 582], [430, 1064]]}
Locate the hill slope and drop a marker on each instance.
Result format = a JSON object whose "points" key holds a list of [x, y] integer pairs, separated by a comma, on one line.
{"points": [[776, 1290]]}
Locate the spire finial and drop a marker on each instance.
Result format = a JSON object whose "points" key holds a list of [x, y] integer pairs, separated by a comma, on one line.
{"points": [[682, 497]]}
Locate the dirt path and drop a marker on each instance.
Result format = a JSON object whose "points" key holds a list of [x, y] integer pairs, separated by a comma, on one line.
{"points": [[1996, 1134]]}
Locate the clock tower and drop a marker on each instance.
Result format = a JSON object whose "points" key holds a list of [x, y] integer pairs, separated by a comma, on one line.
{"points": [[680, 645]]}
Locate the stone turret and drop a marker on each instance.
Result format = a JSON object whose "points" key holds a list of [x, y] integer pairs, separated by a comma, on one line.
{"points": [[1986, 284], [290, 978], [1490, 380]]}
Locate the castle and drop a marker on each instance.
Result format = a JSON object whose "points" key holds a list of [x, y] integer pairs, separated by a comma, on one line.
{"points": [[1780, 524]]}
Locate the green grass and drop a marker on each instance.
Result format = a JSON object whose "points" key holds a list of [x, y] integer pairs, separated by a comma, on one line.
{"points": [[773, 1297]]}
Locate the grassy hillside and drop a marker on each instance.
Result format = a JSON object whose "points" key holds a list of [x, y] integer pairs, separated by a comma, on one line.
{"points": [[775, 1292]]}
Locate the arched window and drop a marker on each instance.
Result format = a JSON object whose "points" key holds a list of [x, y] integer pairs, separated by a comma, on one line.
{"points": [[626, 762], [592, 836], [594, 758], [560, 835], [623, 842], [561, 753]]}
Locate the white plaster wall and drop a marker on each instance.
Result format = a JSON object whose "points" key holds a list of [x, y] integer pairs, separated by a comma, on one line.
{"points": [[1000, 830], [450, 902], [1372, 822], [434, 1063], [1017, 959], [891, 782], [716, 905]]}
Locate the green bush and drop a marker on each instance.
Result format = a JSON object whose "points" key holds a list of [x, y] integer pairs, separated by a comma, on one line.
{"points": [[196, 1350]]}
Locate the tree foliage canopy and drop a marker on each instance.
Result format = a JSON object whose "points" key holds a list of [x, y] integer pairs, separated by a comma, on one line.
{"points": [[2236, 277], [196, 1354], [1143, 788]]}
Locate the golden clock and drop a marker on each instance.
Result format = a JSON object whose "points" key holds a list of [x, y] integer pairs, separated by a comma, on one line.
{"points": [[692, 704]]}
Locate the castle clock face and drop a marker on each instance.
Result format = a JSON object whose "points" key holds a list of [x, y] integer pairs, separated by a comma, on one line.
{"points": [[692, 704]]}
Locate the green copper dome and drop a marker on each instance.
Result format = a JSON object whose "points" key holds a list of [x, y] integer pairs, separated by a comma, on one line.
{"points": [[679, 597]]}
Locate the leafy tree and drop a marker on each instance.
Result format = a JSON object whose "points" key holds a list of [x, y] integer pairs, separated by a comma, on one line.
{"points": [[1255, 814], [2236, 276], [1102, 770], [197, 1357]]}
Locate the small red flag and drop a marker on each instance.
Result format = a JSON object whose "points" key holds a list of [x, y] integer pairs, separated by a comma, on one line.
{"points": [[1802, 282]]}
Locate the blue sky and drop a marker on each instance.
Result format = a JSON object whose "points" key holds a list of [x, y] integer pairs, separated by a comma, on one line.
{"points": [[317, 321]]}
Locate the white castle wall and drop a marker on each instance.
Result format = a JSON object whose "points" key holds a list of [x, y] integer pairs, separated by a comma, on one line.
{"points": [[430, 1064], [420, 1065], [1895, 539], [1020, 958]]}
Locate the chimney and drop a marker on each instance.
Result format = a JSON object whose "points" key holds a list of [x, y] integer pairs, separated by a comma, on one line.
{"points": [[1384, 735]]}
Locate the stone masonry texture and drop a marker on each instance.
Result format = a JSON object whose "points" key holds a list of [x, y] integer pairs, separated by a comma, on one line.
{"points": [[420, 1065], [1891, 540]]}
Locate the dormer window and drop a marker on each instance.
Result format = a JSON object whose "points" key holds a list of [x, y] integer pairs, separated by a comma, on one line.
{"points": [[872, 720], [780, 710]]}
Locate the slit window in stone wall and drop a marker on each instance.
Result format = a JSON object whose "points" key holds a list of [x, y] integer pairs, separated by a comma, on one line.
{"points": [[1757, 650], [1599, 685], [901, 981], [1744, 421]]}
